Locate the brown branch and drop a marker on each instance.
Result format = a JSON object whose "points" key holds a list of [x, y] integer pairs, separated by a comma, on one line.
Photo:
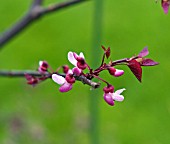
{"points": [[36, 2], [21, 73], [35, 12]]}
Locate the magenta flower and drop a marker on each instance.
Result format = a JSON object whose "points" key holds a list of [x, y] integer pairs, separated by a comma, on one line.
{"points": [[165, 5], [43, 66], [115, 72], [77, 60], [66, 83], [110, 96]]}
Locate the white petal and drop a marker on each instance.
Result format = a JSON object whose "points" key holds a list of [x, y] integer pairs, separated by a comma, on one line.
{"points": [[82, 55], [58, 79], [40, 63], [70, 71], [117, 97], [120, 91], [72, 59]]}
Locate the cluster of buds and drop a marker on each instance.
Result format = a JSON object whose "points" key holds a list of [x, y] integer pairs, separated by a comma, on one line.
{"points": [[165, 5], [68, 78], [43, 69]]}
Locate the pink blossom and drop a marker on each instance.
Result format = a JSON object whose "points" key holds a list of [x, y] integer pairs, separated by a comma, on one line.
{"points": [[66, 83], [115, 96], [77, 60], [165, 5], [43, 66], [76, 71], [115, 72], [65, 68]]}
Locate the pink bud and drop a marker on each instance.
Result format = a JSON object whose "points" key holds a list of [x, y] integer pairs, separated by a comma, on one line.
{"points": [[112, 70], [118, 73], [65, 69], [70, 79], [66, 87], [43, 66], [76, 71], [108, 99], [81, 65], [115, 72], [165, 5], [108, 89]]}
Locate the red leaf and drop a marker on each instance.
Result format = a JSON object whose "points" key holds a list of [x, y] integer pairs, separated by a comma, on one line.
{"points": [[144, 52], [108, 52], [148, 62], [103, 48], [136, 69]]}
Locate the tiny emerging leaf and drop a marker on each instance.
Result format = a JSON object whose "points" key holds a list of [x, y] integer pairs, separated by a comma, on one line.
{"points": [[106, 51]]}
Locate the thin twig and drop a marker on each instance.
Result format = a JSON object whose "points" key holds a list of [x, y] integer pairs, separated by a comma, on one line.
{"points": [[34, 13], [22, 73], [36, 2]]}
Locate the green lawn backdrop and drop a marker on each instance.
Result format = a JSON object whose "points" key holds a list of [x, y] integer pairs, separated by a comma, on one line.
{"points": [[43, 115]]}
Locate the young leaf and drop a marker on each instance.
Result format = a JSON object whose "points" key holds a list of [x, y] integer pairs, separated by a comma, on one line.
{"points": [[144, 52], [108, 52], [136, 69], [148, 62]]}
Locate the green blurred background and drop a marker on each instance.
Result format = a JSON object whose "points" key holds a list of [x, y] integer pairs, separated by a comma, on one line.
{"points": [[43, 115]]}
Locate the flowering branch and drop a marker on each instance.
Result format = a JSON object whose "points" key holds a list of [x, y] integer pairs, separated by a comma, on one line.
{"points": [[23, 73], [35, 12], [70, 76]]}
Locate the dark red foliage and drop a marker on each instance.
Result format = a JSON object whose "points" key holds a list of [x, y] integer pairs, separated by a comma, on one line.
{"points": [[106, 51], [148, 62], [136, 69]]}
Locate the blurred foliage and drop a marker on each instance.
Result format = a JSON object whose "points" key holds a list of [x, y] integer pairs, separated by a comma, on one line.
{"points": [[43, 115]]}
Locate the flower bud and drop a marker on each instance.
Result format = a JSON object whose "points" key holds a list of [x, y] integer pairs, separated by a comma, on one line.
{"points": [[118, 73], [76, 71], [43, 66], [112, 70], [108, 89], [65, 68], [108, 99], [70, 79]]}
